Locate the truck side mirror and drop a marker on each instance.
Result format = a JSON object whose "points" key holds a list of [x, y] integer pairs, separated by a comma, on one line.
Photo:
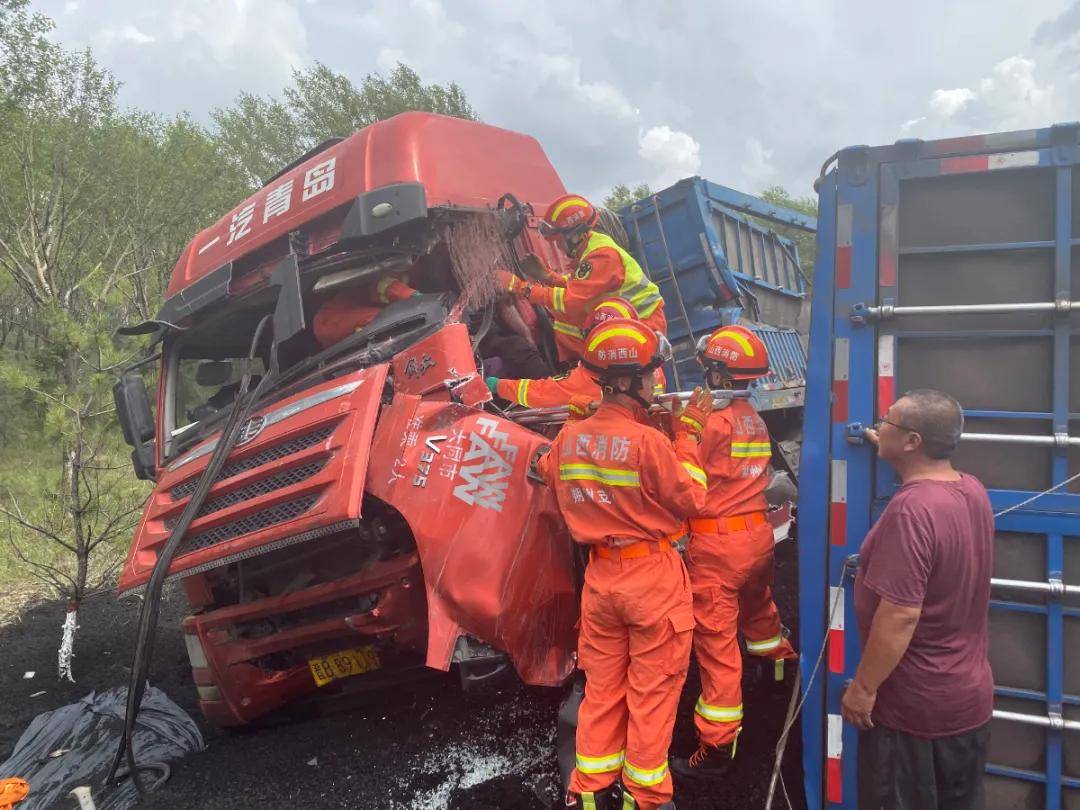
{"points": [[133, 409], [142, 459]]}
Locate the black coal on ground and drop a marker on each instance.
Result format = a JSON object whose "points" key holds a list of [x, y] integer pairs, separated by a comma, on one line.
{"points": [[421, 746]]}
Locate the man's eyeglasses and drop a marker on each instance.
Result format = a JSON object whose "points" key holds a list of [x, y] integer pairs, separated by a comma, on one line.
{"points": [[883, 421]]}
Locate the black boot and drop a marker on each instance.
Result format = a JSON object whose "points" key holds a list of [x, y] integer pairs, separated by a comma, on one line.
{"points": [[779, 676], [607, 799], [626, 801], [708, 762]]}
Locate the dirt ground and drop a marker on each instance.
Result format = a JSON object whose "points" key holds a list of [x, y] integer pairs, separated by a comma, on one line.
{"points": [[423, 747]]}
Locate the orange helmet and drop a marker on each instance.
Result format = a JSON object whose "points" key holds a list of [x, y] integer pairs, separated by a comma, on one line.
{"points": [[570, 215], [734, 351], [608, 309], [623, 347]]}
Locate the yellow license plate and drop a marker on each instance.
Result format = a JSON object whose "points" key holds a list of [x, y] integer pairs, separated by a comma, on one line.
{"points": [[343, 664]]}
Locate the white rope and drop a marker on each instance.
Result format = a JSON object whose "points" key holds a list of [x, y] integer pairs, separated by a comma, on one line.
{"points": [[67, 645], [1036, 497], [781, 743]]}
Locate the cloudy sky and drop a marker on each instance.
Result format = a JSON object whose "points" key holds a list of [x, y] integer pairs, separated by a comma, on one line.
{"points": [[746, 94]]}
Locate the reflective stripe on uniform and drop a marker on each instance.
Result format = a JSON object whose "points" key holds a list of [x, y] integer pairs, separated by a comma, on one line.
{"points": [[558, 299], [523, 392], [696, 473], [694, 423], [605, 475], [751, 449], [636, 287], [611, 762], [719, 714], [645, 776], [760, 647], [588, 800], [628, 802], [566, 329]]}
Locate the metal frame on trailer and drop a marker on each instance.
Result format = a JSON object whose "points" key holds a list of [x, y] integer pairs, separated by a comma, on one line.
{"points": [[850, 382], [676, 239]]}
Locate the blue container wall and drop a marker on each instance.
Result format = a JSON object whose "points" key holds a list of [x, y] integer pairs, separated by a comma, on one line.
{"points": [[981, 220]]}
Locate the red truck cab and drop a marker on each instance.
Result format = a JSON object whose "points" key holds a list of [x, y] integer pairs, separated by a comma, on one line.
{"points": [[376, 513]]}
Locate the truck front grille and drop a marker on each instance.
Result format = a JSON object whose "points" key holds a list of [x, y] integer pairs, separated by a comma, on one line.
{"points": [[262, 486], [279, 513], [264, 456]]}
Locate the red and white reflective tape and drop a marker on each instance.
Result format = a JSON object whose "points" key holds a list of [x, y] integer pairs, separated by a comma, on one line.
{"points": [[841, 368], [838, 502], [989, 163], [834, 773], [836, 629], [886, 369], [845, 218]]}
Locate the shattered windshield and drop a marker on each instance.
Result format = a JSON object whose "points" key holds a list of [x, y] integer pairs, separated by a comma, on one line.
{"points": [[206, 386]]}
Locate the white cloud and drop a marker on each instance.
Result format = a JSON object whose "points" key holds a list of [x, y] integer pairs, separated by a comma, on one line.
{"points": [[947, 103], [758, 165], [387, 59], [673, 153], [1010, 97], [1015, 92], [71, 6], [592, 86], [907, 127]]}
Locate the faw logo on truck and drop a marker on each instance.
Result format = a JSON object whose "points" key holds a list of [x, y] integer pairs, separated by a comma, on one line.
{"points": [[486, 466]]}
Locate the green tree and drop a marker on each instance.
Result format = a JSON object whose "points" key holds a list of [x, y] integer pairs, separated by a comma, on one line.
{"points": [[262, 134], [95, 204], [622, 195], [805, 242]]}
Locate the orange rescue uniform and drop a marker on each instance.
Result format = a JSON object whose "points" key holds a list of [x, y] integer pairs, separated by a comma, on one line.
{"points": [[730, 558], [553, 392], [603, 269], [625, 490], [351, 310]]}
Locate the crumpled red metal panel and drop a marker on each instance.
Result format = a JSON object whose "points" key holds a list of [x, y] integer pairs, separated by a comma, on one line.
{"points": [[497, 559], [345, 408]]}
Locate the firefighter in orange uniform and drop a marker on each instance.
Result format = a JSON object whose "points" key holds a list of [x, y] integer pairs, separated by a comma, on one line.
{"points": [[601, 269], [350, 310], [730, 556], [625, 490], [576, 388]]}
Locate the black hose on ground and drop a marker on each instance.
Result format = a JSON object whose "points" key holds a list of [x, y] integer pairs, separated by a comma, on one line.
{"points": [[148, 613]]}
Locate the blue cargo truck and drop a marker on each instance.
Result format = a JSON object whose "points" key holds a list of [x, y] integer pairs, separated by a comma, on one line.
{"points": [[952, 264], [717, 258]]}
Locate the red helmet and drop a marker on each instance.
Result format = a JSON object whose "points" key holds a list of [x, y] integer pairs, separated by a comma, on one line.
{"points": [[608, 309], [734, 351], [623, 347], [570, 215]]}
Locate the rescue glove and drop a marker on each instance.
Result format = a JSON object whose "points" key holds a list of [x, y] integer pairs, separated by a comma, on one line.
{"points": [[692, 417], [509, 283], [493, 385], [581, 406], [533, 266]]}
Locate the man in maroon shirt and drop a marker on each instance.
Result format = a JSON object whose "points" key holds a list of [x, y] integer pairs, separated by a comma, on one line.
{"points": [[922, 696]]}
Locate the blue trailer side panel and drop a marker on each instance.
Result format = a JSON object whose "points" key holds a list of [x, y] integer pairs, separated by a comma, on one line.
{"points": [[985, 220], [697, 241]]}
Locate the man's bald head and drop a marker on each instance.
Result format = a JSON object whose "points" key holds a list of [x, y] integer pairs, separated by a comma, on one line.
{"points": [[934, 415]]}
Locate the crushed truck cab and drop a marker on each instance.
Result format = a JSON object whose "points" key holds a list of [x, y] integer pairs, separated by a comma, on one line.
{"points": [[373, 515]]}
